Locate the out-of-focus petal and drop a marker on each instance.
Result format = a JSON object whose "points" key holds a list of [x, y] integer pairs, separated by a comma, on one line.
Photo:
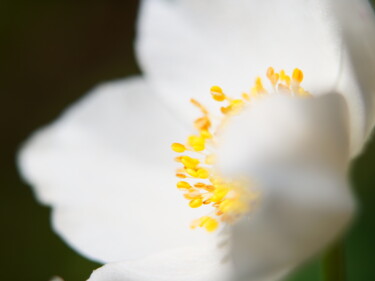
{"points": [[106, 168], [178, 265], [357, 24], [296, 153]]}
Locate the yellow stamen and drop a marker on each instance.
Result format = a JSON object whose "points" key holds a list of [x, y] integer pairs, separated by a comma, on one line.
{"points": [[192, 172], [226, 109], [245, 96], [196, 203], [181, 176], [203, 173], [297, 75], [206, 134], [211, 225], [197, 143], [183, 184], [230, 199], [202, 123], [217, 93], [178, 147], [189, 162]]}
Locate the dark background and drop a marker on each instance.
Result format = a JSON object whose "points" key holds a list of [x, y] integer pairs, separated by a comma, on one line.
{"points": [[51, 53]]}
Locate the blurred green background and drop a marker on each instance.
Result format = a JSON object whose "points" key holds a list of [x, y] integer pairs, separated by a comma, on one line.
{"points": [[51, 53]]}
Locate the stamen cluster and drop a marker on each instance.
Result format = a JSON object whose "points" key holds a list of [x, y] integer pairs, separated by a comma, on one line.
{"points": [[199, 181]]}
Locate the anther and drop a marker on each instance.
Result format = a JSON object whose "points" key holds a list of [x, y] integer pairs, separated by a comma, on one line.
{"points": [[183, 184], [217, 93], [178, 147], [189, 162], [297, 75], [195, 203]]}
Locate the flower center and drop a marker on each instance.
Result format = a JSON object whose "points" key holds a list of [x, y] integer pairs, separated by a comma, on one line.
{"points": [[203, 185]]}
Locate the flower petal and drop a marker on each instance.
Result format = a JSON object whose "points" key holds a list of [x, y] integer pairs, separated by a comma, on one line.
{"points": [[300, 212], [187, 46], [296, 152], [357, 23], [178, 265], [106, 168]]}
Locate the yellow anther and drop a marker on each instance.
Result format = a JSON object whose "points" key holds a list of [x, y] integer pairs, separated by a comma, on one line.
{"points": [[178, 158], [272, 76], [219, 194], [202, 123], [216, 89], [203, 220], [192, 172], [198, 147], [200, 185], [285, 78], [189, 162], [259, 84], [181, 176], [245, 96], [297, 75], [197, 143], [217, 93], [203, 173], [226, 109], [237, 103], [210, 224], [270, 72], [204, 186], [196, 203], [258, 87], [209, 188], [178, 147], [206, 134], [282, 75], [183, 184]]}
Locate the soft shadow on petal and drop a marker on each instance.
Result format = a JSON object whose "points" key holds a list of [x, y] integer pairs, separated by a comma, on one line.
{"points": [[281, 129], [178, 265], [300, 212], [186, 46], [357, 24], [106, 168], [296, 152]]}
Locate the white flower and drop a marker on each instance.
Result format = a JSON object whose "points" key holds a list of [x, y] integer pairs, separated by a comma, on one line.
{"points": [[105, 165]]}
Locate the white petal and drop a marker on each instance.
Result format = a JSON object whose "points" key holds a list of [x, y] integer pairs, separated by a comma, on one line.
{"points": [[186, 46], [296, 152], [300, 212], [106, 168], [178, 265], [282, 129], [357, 22]]}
